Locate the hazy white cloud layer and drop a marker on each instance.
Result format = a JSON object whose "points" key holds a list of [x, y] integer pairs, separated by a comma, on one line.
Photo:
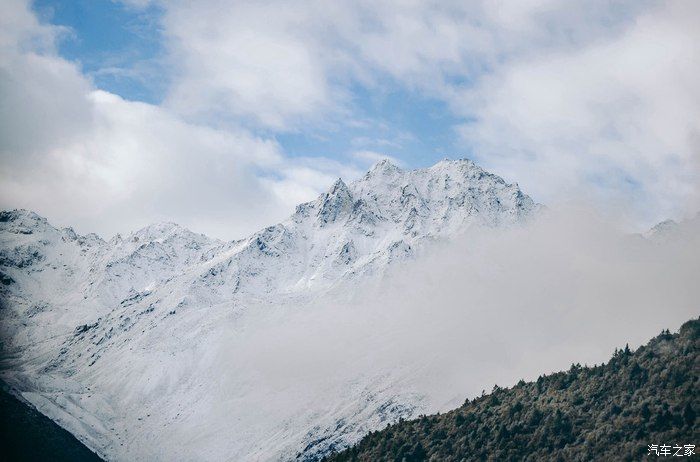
{"points": [[616, 119], [487, 308], [582, 99]]}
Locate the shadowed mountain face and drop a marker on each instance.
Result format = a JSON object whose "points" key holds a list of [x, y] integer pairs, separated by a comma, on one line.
{"points": [[610, 412], [27, 435]]}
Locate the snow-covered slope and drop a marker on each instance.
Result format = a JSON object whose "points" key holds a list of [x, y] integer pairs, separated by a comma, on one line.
{"points": [[122, 341], [360, 228]]}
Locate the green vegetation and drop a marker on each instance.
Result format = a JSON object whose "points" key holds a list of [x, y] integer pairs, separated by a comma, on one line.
{"points": [[607, 412]]}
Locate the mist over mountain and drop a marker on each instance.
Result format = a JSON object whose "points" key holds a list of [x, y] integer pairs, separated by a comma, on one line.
{"points": [[641, 403], [384, 298], [138, 318]]}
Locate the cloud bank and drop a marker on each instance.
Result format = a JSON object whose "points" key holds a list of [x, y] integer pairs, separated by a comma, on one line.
{"points": [[488, 308], [88, 158], [583, 99], [579, 100]]}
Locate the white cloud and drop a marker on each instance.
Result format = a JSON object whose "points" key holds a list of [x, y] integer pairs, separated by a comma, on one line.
{"points": [[277, 62], [571, 99], [88, 158], [583, 99], [616, 120], [479, 310], [43, 98], [251, 60]]}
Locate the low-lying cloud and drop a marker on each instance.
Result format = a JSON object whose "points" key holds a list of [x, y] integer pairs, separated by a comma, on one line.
{"points": [[488, 308]]}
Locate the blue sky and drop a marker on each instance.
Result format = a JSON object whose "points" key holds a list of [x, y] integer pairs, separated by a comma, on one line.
{"points": [[416, 130], [113, 43], [122, 49]]}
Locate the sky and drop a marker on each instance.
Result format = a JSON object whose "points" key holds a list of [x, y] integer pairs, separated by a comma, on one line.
{"points": [[222, 116]]}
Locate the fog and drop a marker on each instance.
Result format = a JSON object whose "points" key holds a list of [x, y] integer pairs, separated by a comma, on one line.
{"points": [[489, 308], [263, 381]]}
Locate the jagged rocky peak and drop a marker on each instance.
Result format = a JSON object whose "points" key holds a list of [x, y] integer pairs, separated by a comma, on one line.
{"points": [[163, 233], [164, 285], [670, 230], [463, 169], [339, 188], [450, 193], [21, 221], [90, 239], [159, 230], [463, 162], [383, 167], [446, 173], [20, 215], [335, 203], [445, 192]]}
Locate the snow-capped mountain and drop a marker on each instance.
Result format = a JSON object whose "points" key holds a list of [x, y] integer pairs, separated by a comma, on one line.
{"points": [[120, 341]]}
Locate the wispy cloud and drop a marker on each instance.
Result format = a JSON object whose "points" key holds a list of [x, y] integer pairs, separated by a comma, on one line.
{"points": [[577, 100]]}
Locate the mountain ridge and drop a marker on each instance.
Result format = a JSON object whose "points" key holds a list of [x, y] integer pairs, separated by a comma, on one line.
{"points": [[120, 340], [79, 308], [377, 217]]}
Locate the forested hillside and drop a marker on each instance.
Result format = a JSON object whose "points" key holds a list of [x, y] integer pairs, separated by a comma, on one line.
{"points": [[607, 412]]}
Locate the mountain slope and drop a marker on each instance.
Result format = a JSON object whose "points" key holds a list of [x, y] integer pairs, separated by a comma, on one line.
{"points": [[122, 341], [350, 230], [26, 435], [607, 412], [358, 229]]}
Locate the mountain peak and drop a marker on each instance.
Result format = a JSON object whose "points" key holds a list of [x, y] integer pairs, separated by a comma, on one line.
{"points": [[161, 227], [382, 167], [338, 186], [461, 164], [665, 230], [162, 281], [167, 230], [21, 221], [20, 215], [335, 203]]}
